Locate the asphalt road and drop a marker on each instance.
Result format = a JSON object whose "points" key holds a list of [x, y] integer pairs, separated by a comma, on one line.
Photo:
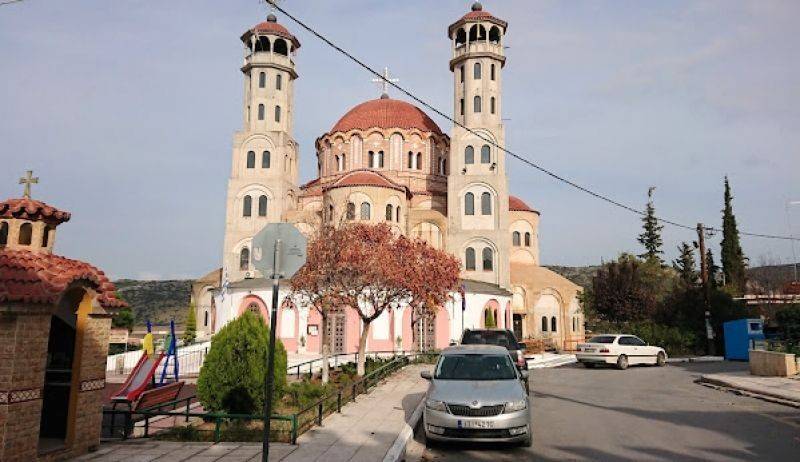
{"points": [[643, 413]]}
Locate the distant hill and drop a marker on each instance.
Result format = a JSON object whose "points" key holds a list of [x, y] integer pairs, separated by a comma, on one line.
{"points": [[581, 275], [158, 301], [770, 277]]}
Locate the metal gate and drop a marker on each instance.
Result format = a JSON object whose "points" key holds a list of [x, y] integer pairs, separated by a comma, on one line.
{"points": [[426, 327], [336, 331]]}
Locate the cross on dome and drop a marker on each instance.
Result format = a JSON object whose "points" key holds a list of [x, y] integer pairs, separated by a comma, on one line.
{"points": [[28, 180], [384, 82]]}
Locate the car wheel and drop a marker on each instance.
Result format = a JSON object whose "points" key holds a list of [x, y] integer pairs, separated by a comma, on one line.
{"points": [[588, 365], [661, 359], [622, 362], [428, 442]]}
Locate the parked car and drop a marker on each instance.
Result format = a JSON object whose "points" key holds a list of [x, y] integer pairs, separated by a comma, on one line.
{"points": [[476, 394], [619, 350], [500, 337]]}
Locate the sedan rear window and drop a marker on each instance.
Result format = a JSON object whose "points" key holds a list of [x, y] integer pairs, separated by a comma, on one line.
{"points": [[475, 367], [602, 339], [490, 337]]}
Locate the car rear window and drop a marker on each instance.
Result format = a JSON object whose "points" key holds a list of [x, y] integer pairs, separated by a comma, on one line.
{"points": [[490, 337], [602, 339]]}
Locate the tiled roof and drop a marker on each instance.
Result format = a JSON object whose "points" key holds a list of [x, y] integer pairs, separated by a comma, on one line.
{"points": [[365, 178], [515, 204], [385, 113], [477, 14], [29, 209], [42, 278], [272, 27]]}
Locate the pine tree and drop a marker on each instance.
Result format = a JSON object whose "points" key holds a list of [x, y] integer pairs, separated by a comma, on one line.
{"points": [[190, 332], [651, 236], [685, 264], [713, 269], [733, 260]]}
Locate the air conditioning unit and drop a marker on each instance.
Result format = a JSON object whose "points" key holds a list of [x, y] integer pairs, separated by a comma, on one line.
{"points": [[248, 275]]}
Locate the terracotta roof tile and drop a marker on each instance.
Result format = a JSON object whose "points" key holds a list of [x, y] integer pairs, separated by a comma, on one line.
{"points": [[476, 15], [29, 209], [42, 278], [273, 28], [385, 113], [515, 204], [365, 178]]}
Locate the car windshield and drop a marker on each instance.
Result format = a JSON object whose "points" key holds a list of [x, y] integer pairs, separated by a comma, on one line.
{"points": [[475, 367], [490, 337], [602, 339]]}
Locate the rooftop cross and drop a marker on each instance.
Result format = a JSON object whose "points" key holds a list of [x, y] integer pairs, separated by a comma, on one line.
{"points": [[28, 180], [384, 82]]}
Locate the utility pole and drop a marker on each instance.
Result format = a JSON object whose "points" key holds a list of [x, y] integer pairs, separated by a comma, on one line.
{"points": [[701, 240]]}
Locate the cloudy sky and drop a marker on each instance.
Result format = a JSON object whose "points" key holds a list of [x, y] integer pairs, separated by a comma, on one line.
{"points": [[126, 111]]}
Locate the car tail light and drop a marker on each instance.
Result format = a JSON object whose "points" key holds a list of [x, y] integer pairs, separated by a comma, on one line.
{"points": [[520, 359], [604, 350]]}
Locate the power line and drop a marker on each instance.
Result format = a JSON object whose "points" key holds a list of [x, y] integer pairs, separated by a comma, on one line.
{"points": [[528, 162], [9, 2]]}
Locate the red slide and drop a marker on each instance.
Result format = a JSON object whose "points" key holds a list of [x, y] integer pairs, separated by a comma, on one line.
{"points": [[140, 378]]}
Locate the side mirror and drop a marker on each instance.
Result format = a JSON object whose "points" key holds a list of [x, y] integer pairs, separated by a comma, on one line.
{"points": [[426, 375], [524, 375], [453, 343]]}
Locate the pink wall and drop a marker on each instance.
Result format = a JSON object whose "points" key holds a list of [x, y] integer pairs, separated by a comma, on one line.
{"points": [[382, 344], [408, 335], [442, 328], [314, 342], [254, 299], [289, 343]]}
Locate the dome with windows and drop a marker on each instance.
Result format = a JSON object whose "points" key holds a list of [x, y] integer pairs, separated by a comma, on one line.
{"points": [[271, 27], [386, 113]]}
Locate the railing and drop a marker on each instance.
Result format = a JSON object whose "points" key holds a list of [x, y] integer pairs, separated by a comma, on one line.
{"points": [[308, 367]]}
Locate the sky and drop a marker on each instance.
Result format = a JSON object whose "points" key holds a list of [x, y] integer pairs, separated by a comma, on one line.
{"points": [[126, 110]]}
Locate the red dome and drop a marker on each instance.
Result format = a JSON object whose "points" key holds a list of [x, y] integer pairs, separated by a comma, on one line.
{"points": [[515, 204], [386, 113], [364, 177], [271, 26]]}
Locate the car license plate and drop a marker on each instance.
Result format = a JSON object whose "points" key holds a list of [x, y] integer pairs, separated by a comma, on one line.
{"points": [[475, 424], [589, 350]]}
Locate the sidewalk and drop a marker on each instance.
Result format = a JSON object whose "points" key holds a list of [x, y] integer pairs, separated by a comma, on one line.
{"points": [[365, 431], [546, 359], [780, 388]]}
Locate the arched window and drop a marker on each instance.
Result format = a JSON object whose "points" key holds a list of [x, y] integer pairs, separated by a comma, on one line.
{"points": [[372, 162], [251, 159], [469, 204], [265, 159], [262, 80], [365, 210], [486, 154], [410, 160], [461, 73], [461, 106], [492, 105], [397, 213], [260, 112], [544, 323], [553, 324], [262, 206], [461, 37], [330, 212], [476, 104], [344, 162], [444, 167], [469, 155], [262, 44], [280, 47], [488, 259], [278, 81], [205, 319], [494, 34], [46, 236], [247, 206], [527, 239], [244, 259], [469, 259], [277, 113], [476, 71], [574, 323], [419, 161], [380, 159], [351, 211], [515, 239], [491, 71], [486, 204], [3, 234], [389, 212]]}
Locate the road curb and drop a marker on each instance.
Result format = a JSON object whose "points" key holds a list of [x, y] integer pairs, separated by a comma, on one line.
{"points": [[748, 391], [697, 359], [398, 450]]}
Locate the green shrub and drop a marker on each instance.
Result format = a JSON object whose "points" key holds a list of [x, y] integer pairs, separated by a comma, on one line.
{"points": [[788, 320], [305, 393], [232, 377], [185, 433]]}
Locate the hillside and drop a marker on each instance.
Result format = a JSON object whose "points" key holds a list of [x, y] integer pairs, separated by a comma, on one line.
{"points": [[158, 301], [581, 275]]}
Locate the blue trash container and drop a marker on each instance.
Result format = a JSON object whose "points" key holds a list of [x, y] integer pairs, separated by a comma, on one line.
{"points": [[741, 335]]}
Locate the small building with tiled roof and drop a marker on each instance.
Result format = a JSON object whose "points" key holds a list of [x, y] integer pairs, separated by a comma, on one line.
{"points": [[385, 160], [55, 317]]}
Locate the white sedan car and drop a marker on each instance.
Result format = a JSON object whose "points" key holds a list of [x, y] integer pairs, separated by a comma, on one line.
{"points": [[619, 350]]}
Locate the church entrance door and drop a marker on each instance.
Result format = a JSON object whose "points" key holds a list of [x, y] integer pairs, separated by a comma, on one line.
{"points": [[518, 326], [425, 334], [336, 332]]}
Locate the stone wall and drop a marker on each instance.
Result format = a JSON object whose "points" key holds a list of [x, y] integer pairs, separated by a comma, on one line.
{"points": [[772, 363]]}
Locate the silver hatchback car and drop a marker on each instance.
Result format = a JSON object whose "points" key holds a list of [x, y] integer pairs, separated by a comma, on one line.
{"points": [[477, 394]]}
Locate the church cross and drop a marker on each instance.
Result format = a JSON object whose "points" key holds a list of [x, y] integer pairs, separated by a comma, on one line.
{"points": [[28, 180], [384, 81]]}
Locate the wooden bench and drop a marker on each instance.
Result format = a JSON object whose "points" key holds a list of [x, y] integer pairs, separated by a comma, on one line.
{"points": [[153, 397]]}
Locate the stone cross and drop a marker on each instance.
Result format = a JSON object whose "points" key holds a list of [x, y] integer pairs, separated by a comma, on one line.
{"points": [[28, 180], [384, 82]]}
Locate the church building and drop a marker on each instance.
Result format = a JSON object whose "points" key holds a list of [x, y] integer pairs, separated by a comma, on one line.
{"points": [[385, 160]]}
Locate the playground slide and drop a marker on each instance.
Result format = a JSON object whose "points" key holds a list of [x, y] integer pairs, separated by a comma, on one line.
{"points": [[140, 378]]}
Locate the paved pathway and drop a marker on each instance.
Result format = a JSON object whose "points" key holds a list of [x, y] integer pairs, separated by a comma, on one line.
{"points": [[785, 388], [364, 431]]}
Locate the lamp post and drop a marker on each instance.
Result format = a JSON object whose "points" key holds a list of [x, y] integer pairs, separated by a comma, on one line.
{"points": [[791, 235]]}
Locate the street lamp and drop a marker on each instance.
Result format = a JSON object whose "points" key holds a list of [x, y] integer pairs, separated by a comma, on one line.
{"points": [[789, 225]]}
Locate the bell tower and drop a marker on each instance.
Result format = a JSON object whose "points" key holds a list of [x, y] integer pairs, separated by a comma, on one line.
{"points": [[263, 183], [477, 182]]}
